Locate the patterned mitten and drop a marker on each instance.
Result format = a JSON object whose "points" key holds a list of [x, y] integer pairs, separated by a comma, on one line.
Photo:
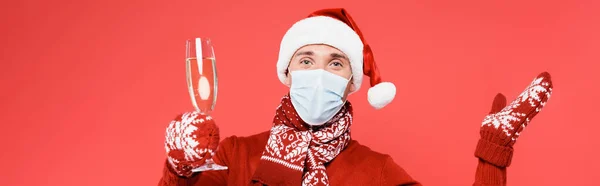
{"points": [[191, 138], [502, 127]]}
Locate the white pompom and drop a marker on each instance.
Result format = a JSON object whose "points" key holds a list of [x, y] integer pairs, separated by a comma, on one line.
{"points": [[381, 94]]}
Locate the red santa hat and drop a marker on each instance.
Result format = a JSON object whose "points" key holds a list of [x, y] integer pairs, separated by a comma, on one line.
{"points": [[335, 27]]}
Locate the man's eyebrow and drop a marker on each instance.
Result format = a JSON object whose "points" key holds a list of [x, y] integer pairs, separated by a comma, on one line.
{"points": [[308, 53], [338, 55]]}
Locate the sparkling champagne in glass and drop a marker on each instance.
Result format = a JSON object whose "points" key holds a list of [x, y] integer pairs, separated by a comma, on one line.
{"points": [[202, 84]]}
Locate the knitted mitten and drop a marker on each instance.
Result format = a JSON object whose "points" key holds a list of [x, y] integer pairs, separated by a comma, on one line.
{"points": [[502, 127], [191, 138]]}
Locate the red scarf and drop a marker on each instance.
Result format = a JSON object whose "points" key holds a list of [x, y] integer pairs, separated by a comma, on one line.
{"points": [[296, 153]]}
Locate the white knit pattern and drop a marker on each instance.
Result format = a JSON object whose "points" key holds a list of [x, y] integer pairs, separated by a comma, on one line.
{"points": [[180, 136], [311, 149], [532, 95]]}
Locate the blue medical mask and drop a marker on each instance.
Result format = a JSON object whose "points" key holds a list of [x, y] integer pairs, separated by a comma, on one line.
{"points": [[317, 95]]}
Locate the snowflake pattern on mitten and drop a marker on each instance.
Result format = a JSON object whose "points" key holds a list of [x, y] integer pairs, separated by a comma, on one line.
{"points": [[512, 119], [190, 139]]}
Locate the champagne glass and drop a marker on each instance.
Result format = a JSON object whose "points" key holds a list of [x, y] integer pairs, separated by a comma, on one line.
{"points": [[202, 84]]}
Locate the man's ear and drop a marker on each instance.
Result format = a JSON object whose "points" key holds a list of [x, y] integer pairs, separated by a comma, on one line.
{"points": [[351, 84], [288, 78], [349, 88]]}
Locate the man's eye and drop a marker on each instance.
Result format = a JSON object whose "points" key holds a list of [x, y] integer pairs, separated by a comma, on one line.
{"points": [[337, 64], [306, 62]]}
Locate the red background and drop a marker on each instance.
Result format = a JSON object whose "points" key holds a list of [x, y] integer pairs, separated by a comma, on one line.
{"points": [[88, 87]]}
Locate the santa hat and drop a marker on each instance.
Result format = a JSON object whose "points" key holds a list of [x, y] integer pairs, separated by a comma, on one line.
{"points": [[335, 27]]}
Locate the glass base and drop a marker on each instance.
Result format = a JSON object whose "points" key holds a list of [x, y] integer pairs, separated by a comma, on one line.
{"points": [[209, 166]]}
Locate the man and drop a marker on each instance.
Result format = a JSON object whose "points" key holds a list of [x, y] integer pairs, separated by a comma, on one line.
{"points": [[322, 59]]}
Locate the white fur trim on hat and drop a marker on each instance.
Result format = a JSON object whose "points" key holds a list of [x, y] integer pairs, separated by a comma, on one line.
{"points": [[381, 94], [322, 30]]}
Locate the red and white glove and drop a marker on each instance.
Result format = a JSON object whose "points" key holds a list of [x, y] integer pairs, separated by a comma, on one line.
{"points": [[501, 128], [191, 138]]}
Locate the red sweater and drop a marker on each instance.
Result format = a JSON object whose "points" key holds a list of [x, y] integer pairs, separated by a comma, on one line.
{"points": [[356, 165]]}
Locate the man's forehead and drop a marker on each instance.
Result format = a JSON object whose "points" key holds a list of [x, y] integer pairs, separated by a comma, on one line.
{"points": [[322, 50], [333, 54]]}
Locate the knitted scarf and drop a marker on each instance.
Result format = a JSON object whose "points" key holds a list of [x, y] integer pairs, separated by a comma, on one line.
{"points": [[296, 153]]}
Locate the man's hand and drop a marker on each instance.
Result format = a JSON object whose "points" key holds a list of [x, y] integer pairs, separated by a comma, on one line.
{"points": [[504, 124], [191, 138]]}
